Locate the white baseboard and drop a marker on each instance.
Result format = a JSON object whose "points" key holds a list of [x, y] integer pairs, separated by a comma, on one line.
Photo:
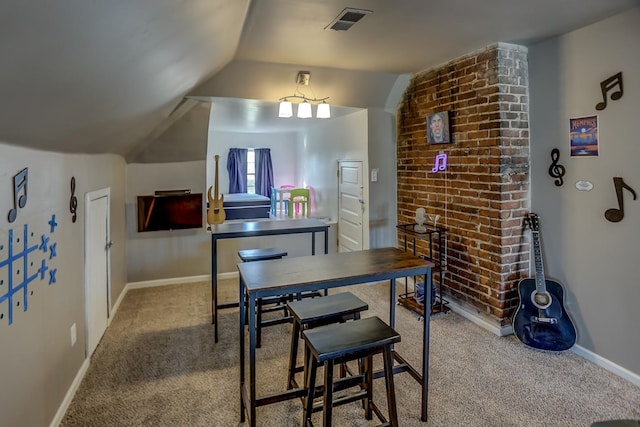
{"points": [[70, 394], [607, 364], [463, 311], [580, 351], [474, 316], [173, 281]]}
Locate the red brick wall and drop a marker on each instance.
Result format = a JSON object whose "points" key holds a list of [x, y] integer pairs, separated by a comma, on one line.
{"points": [[483, 195]]}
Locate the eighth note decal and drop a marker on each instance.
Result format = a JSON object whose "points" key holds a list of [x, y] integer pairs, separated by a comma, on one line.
{"points": [[440, 164], [20, 181], [616, 214], [608, 85]]}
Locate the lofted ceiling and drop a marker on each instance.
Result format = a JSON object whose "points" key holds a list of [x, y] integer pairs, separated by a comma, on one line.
{"points": [[112, 76]]}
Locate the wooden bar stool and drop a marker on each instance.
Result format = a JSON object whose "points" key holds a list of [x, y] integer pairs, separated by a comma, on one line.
{"points": [[265, 305], [311, 313], [340, 343]]}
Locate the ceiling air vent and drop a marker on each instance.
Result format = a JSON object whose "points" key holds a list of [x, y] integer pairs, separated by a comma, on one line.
{"points": [[347, 18]]}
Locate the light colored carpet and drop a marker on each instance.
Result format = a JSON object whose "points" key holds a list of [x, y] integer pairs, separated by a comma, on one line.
{"points": [[157, 365]]}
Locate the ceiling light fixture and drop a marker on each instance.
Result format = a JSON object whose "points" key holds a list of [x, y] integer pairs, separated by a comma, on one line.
{"points": [[323, 110]]}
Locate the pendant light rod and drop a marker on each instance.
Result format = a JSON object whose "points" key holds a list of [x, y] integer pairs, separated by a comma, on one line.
{"points": [[304, 98]]}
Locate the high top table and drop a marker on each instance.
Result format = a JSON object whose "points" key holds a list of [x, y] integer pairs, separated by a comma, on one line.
{"points": [[262, 279], [234, 230]]}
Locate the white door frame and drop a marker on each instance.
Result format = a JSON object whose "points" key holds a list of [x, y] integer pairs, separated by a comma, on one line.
{"points": [[90, 197]]}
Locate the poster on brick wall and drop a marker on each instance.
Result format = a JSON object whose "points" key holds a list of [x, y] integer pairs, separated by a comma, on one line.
{"points": [[584, 136], [438, 128]]}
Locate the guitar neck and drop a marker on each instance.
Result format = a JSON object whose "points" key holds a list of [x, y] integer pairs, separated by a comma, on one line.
{"points": [[216, 179], [537, 254]]}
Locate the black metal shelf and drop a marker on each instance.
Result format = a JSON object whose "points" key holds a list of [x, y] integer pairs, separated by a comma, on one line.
{"points": [[432, 234]]}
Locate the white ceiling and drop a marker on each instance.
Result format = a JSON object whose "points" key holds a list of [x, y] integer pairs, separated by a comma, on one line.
{"points": [[105, 76], [405, 36]]}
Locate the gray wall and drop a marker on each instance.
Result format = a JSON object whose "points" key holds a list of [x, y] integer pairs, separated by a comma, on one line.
{"points": [[37, 362], [321, 146], [383, 193], [166, 254], [593, 258]]}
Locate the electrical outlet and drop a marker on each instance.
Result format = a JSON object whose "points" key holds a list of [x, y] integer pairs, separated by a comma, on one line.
{"points": [[73, 335]]}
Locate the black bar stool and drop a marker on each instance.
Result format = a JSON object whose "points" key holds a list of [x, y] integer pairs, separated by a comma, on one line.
{"points": [[311, 313], [341, 343], [274, 303]]}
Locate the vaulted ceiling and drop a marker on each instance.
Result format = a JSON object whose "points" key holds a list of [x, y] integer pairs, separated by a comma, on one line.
{"points": [[112, 76]]}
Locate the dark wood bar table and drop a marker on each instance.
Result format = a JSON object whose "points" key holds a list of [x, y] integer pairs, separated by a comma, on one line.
{"points": [[235, 230], [268, 278]]}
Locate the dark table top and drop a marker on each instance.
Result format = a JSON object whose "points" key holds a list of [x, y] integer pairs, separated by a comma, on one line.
{"points": [[328, 271], [256, 228]]}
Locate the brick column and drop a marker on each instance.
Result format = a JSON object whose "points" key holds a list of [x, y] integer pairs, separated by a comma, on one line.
{"points": [[483, 195]]}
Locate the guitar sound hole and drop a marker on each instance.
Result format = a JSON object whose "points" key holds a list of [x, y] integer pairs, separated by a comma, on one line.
{"points": [[541, 300]]}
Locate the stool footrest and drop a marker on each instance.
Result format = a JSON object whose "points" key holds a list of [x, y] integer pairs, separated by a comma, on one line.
{"points": [[343, 400], [277, 321]]}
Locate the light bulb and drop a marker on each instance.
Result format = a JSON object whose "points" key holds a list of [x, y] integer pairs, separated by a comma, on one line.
{"points": [[324, 111], [304, 110], [286, 110]]}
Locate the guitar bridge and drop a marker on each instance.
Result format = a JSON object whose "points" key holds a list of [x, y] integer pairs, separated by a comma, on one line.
{"points": [[547, 320]]}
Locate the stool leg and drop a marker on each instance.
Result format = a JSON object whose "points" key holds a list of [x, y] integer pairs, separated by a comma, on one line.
{"points": [[306, 365], [310, 368], [327, 406], [293, 353], [391, 392], [368, 378], [259, 324]]}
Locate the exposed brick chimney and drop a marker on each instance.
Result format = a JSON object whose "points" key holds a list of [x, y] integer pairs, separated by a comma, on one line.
{"points": [[483, 196]]}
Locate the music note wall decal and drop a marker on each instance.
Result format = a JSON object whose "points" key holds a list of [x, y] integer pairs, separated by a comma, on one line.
{"points": [[19, 183], [440, 164], [556, 170], [73, 202], [613, 214], [606, 86]]}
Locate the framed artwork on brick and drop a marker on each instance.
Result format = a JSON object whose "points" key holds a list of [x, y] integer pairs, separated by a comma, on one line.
{"points": [[438, 128]]}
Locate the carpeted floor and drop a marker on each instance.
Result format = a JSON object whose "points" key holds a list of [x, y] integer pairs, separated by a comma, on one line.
{"points": [[157, 365]]}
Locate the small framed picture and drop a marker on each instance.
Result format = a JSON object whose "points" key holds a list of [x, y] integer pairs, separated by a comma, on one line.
{"points": [[584, 136], [438, 128]]}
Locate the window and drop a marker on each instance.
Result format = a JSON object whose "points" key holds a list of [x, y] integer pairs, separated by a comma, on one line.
{"points": [[251, 171]]}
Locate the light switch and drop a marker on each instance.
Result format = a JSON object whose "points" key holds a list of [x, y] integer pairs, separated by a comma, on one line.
{"points": [[374, 175]]}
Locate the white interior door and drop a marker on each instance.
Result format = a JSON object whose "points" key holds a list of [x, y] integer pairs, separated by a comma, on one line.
{"points": [[97, 284], [351, 206]]}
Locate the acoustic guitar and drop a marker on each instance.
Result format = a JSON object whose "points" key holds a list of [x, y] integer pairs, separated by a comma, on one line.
{"points": [[541, 320], [215, 215]]}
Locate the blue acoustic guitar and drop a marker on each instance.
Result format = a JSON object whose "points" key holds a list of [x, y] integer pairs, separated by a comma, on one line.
{"points": [[541, 320]]}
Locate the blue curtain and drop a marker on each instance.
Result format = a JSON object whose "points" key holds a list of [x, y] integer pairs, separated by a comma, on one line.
{"points": [[264, 171], [237, 168]]}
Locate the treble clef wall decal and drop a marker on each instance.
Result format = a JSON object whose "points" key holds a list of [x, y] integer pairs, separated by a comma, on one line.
{"points": [[556, 170], [73, 202]]}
